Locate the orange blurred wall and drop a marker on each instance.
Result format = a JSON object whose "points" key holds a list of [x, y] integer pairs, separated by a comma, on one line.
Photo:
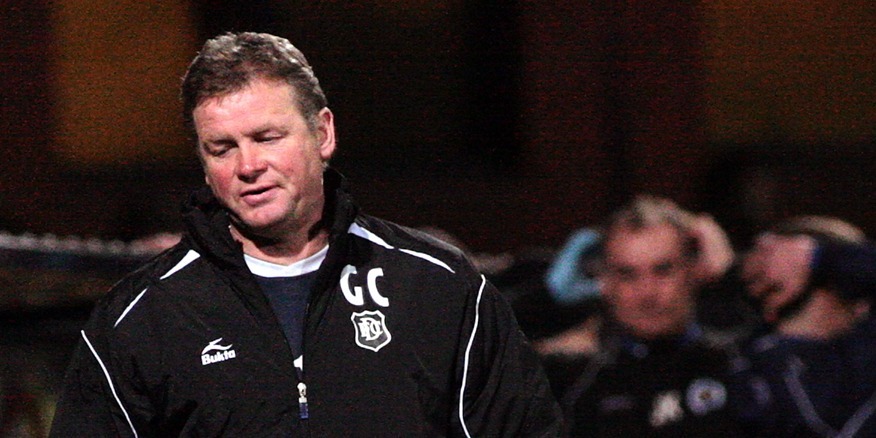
{"points": [[116, 67], [802, 72]]}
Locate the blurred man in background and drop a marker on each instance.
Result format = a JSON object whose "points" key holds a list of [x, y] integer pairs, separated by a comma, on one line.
{"points": [[815, 278], [652, 373]]}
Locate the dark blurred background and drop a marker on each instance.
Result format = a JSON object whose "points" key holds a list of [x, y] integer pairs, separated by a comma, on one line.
{"points": [[507, 124]]}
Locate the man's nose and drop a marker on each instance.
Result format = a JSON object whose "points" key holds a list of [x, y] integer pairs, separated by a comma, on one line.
{"points": [[646, 282], [251, 162]]}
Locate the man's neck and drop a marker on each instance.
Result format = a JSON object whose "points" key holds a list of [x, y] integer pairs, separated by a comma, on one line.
{"points": [[283, 251], [823, 317]]}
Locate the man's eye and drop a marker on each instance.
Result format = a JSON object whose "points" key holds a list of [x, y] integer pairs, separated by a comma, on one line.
{"points": [[217, 150], [665, 269], [268, 138], [623, 274]]}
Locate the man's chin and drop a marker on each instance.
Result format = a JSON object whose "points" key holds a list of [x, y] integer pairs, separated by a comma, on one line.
{"points": [[260, 229], [655, 331]]}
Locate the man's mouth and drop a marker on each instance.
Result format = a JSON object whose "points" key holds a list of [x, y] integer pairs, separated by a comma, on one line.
{"points": [[256, 195]]}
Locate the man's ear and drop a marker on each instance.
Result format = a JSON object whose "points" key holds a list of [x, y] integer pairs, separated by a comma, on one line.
{"points": [[325, 133]]}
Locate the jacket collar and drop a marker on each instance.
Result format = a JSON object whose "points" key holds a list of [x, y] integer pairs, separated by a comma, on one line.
{"points": [[641, 348], [207, 222]]}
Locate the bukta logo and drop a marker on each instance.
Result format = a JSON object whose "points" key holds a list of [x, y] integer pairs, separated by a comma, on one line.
{"points": [[371, 331], [222, 352]]}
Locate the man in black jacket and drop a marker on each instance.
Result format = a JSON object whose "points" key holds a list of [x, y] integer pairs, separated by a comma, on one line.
{"points": [[653, 372], [284, 311], [814, 278]]}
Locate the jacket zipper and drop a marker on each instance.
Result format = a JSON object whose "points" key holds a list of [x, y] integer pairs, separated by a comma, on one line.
{"points": [[303, 408], [303, 412]]}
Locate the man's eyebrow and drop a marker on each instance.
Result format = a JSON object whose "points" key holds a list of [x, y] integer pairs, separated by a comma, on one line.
{"points": [[266, 127], [263, 131], [667, 261], [218, 141], [668, 264], [621, 268]]}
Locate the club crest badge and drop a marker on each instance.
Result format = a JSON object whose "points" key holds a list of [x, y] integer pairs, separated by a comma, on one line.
{"points": [[371, 331], [706, 395]]}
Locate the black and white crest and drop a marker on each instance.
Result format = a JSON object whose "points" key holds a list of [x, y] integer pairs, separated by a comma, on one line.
{"points": [[371, 330], [706, 395]]}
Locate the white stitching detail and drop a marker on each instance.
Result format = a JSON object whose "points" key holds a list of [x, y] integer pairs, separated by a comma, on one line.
{"points": [[110, 382], [467, 355], [188, 258], [130, 306]]}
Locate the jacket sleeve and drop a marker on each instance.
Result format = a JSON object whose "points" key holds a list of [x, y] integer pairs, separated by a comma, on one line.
{"points": [[101, 395], [851, 268], [89, 405], [503, 390]]}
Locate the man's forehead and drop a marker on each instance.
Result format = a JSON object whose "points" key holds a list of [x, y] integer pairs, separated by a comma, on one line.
{"points": [[645, 262], [660, 235], [219, 97]]}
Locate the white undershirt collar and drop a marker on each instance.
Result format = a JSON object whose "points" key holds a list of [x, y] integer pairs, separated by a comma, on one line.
{"points": [[271, 270]]}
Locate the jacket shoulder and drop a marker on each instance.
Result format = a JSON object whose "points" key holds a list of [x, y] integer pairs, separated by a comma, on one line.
{"points": [[126, 291], [422, 243]]}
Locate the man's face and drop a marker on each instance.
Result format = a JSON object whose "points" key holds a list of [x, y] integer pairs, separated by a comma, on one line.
{"points": [[647, 280], [261, 159], [776, 271]]}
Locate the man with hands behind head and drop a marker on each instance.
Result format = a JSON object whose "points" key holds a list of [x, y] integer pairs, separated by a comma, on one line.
{"points": [[815, 278], [654, 372]]}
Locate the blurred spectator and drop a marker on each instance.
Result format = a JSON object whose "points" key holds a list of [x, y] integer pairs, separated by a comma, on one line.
{"points": [[649, 370], [722, 307], [814, 278]]}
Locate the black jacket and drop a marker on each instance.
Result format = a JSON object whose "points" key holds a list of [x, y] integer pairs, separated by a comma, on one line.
{"points": [[674, 387], [403, 338], [821, 387]]}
